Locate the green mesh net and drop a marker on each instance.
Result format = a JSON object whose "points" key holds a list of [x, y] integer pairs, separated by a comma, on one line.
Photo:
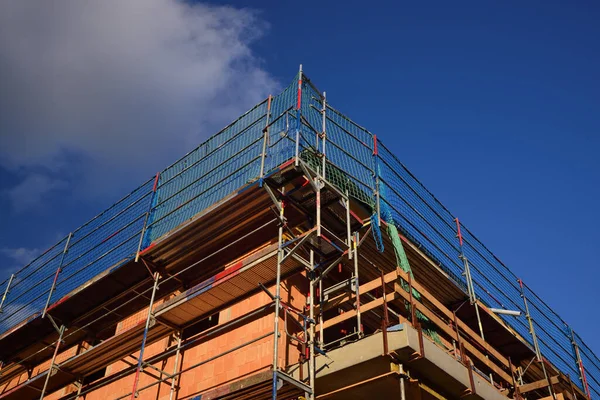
{"points": [[337, 177], [402, 260]]}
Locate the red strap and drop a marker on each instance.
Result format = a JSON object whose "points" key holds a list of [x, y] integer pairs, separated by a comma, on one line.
{"points": [[299, 93], [459, 235], [155, 182], [375, 145]]}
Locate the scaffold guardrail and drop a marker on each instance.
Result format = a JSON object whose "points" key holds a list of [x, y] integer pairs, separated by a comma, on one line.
{"points": [[259, 141]]}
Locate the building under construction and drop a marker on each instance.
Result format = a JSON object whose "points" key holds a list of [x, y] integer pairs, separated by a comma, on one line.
{"points": [[289, 256]]}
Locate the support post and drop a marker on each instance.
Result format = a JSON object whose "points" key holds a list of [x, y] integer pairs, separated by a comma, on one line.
{"points": [[147, 216], [470, 286], [12, 276], [538, 353], [318, 206], [473, 389], [357, 284], [348, 227], [376, 173], [58, 271], [468, 278], [384, 322], [175, 376], [79, 387], [402, 384], [580, 367], [311, 329], [265, 140], [136, 378], [51, 369], [467, 267], [324, 137], [536, 346], [298, 115], [321, 328], [278, 295]]}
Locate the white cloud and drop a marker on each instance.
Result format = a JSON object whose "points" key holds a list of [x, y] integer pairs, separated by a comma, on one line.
{"points": [[32, 190], [107, 92], [20, 255]]}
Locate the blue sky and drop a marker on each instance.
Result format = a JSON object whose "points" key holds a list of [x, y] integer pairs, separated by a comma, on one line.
{"points": [[493, 105]]}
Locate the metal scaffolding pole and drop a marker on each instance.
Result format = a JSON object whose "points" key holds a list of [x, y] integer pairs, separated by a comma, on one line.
{"points": [[538, 353], [357, 284], [318, 185], [175, 376], [136, 378], [402, 374], [321, 328], [12, 276], [265, 140], [468, 278], [470, 287], [348, 227], [311, 314], [320, 180], [298, 114], [279, 376], [582, 375], [376, 178], [52, 366], [147, 216], [277, 299], [79, 387], [324, 137], [58, 270]]}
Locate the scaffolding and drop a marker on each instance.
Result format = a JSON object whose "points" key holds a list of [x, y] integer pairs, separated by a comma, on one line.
{"points": [[291, 188]]}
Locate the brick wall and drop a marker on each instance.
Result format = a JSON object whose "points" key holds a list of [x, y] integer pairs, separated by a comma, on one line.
{"points": [[228, 368]]}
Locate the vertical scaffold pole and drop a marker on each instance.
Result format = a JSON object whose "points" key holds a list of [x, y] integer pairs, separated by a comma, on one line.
{"points": [[79, 387], [318, 205], [298, 113], [321, 179], [470, 286], [536, 346], [58, 271], [376, 173], [136, 378], [324, 137], [348, 227], [277, 299], [385, 320], [175, 376], [152, 197], [357, 283], [468, 278], [265, 140], [51, 369], [402, 389], [321, 328], [311, 314], [580, 367], [12, 276]]}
